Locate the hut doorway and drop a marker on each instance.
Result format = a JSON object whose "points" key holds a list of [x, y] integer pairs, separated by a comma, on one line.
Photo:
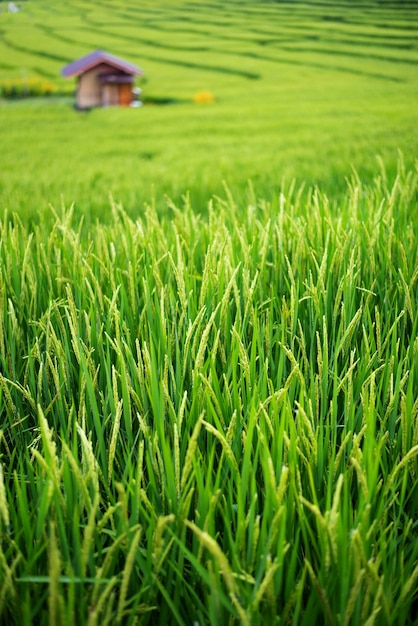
{"points": [[125, 94], [110, 96]]}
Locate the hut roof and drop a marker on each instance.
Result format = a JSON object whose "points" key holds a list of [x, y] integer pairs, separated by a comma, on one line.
{"points": [[94, 58]]}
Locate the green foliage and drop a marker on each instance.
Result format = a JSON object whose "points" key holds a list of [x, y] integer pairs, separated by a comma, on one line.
{"points": [[212, 418]]}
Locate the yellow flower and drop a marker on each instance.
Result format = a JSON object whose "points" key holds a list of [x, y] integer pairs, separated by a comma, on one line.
{"points": [[204, 97]]}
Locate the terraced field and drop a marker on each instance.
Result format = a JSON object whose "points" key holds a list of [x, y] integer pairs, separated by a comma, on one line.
{"points": [[302, 90]]}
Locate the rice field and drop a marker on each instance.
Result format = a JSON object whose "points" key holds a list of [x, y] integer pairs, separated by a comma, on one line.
{"points": [[208, 318], [302, 92]]}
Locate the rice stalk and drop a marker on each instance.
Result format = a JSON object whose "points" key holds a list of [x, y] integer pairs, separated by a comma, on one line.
{"points": [[95, 612], [226, 448], [4, 508], [88, 534], [224, 567], [177, 461], [158, 556], [90, 464], [191, 449], [127, 572], [113, 439], [54, 570], [405, 460], [329, 618], [266, 585], [204, 341], [353, 597]]}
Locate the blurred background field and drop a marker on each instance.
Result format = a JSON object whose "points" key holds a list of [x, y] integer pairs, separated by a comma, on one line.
{"points": [[294, 90]]}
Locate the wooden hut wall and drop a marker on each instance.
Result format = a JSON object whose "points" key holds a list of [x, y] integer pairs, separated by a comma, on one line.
{"points": [[89, 92]]}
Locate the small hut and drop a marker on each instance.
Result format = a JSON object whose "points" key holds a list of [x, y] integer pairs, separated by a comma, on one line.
{"points": [[102, 80]]}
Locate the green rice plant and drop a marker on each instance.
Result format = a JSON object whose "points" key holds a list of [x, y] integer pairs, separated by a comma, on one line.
{"points": [[212, 418]]}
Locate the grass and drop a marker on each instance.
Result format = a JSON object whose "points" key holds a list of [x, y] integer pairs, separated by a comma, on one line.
{"points": [[212, 418], [301, 92]]}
